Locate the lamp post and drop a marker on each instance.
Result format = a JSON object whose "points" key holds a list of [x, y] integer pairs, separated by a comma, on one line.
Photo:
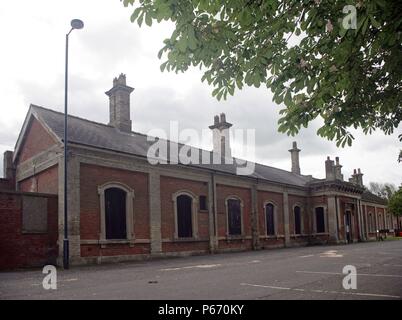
{"points": [[75, 24]]}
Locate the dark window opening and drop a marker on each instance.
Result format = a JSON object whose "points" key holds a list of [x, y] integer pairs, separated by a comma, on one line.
{"points": [[320, 220], [115, 213], [184, 216], [297, 213], [234, 217], [203, 203], [269, 211]]}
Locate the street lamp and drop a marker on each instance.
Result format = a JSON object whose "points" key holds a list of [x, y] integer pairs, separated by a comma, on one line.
{"points": [[75, 24]]}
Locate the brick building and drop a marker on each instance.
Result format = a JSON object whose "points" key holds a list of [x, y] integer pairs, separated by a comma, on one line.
{"points": [[122, 207]]}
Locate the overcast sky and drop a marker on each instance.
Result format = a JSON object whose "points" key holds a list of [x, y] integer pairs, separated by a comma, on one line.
{"points": [[32, 71]]}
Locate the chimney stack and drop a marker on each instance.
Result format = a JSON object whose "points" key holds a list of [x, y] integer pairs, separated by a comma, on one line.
{"points": [[329, 169], [357, 177], [8, 167], [221, 136], [294, 153], [119, 97], [338, 170]]}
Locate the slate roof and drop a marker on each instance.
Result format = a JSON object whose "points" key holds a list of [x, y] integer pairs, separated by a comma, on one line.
{"points": [[371, 197], [89, 133]]}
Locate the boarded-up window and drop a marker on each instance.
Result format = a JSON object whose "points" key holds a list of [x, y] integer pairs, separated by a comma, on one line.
{"points": [[234, 217], [203, 203], [34, 214], [115, 202], [184, 216], [298, 223], [269, 211], [320, 219]]}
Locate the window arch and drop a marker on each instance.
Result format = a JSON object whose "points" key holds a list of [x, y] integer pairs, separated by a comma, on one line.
{"points": [[185, 214], [298, 223], [234, 216], [116, 208], [270, 219]]}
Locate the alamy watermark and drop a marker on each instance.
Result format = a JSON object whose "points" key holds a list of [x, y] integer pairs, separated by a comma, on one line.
{"points": [[350, 280], [50, 280], [164, 149], [350, 20]]}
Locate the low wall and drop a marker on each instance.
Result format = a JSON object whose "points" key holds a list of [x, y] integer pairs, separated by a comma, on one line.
{"points": [[28, 229]]}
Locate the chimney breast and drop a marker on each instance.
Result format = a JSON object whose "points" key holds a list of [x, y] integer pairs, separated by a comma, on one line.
{"points": [[119, 104]]}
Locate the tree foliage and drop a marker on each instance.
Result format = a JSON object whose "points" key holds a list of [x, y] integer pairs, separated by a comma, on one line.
{"points": [[298, 49], [395, 203], [385, 190]]}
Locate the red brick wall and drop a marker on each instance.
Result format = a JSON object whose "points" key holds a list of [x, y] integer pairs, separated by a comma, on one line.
{"points": [[244, 194], [5, 184], [91, 177], [47, 181], [37, 139], [19, 249], [169, 186]]}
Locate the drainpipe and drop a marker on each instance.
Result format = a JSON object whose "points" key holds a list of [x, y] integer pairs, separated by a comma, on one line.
{"points": [[337, 218]]}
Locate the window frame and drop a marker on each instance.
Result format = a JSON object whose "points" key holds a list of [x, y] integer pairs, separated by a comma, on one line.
{"points": [[301, 220], [275, 212], [228, 235], [194, 215], [130, 196]]}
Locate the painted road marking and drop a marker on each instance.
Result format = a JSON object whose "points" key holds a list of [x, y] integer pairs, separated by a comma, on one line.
{"points": [[58, 281], [359, 274], [307, 256], [364, 294], [209, 266]]}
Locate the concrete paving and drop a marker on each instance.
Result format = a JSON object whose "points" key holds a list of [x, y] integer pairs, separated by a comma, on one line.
{"points": [[294, 273]]}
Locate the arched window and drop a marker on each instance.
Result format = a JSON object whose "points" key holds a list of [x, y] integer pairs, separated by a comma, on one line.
{"points": [[184, 216], [320, 219], [297, 219], [185, 213], [234, 217], [116, 211], [370, 220], [270, 219]]}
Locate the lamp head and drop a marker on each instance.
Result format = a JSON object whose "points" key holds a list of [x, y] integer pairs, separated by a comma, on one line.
{"points": [[77, 24]]}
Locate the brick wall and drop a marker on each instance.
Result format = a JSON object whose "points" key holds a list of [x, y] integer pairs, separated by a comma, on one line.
{"points": [[19, 249], [46, 181], [91, 177], [37, 139], [5, 184], [170, 186]]}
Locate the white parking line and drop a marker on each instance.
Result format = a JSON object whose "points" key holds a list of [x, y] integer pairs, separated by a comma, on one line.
{"points": [[359, 274], [307, 256], [377, 295]]}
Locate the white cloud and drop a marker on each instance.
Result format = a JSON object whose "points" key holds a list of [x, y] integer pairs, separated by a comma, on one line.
{"points": [[32, 71]]}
